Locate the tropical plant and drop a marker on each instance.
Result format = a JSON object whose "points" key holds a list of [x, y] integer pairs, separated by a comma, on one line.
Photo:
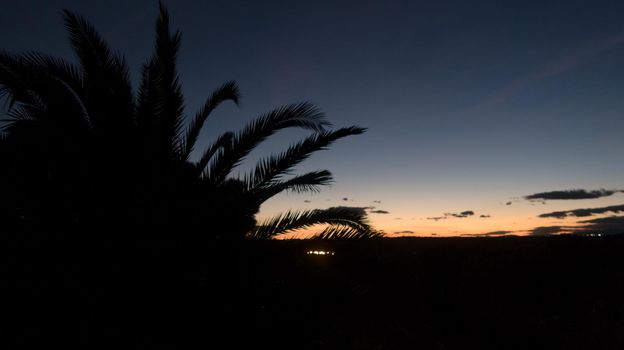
{"points": [[81, 150]]}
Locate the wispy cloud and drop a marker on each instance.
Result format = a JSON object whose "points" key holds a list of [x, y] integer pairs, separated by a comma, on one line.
{"points": [[379, 211], [608, 225], [463, 214], [558, 65], [570, 194], [583, 212], [548, 230], [489, 234]]}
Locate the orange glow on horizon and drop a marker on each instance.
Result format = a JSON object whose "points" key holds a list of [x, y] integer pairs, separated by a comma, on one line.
{"points": [[518, 218]]}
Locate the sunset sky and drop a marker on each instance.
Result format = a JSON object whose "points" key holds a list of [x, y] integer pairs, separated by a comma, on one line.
{"points": [[471, 106]]}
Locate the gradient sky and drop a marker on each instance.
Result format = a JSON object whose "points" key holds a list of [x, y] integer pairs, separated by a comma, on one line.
{"points": [[470, 105]]}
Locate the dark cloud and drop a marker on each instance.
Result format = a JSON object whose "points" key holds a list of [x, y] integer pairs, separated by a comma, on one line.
{"points": [[583, 212], [358, 210], [548, 230], [379, 212], [508, 203], [611, 220], [378, 202], [489, 234], [307, 201], [463, 214], [402, 232], [608, 225], [570, 195], [485, 216], [497, 233], [345, 199]]}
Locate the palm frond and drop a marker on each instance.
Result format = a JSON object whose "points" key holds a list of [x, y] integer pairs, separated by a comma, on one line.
{"points": [[92, 50], [167, 46], [309, 182], [54, 66], [224, 141], [354, 218], [160, 105], [301, 115], [42, 83], [274, 168], [14, 85], [227, 92], [148, 105], [345, 232], [105, 74], [19, 116]]}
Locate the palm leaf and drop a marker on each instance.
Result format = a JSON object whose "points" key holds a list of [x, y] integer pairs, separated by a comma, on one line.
{"points": [[309, 182], [171, 119], [227, 92], [57, 67], [14, 86], [302, 115], [345, 232], [105, 76], [41, 83], [273, 168], [354, 218], [224, 141], [160, 104]]}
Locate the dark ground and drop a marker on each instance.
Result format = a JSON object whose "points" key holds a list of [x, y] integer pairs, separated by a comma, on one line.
{"points": [[411, 293]]}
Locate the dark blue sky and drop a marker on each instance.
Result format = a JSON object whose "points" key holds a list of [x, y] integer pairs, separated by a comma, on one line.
{"points": [[469, 104]]}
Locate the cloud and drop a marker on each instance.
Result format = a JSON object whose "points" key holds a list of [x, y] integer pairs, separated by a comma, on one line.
{"points": [[345, 199], [608, 225], [497, 233], [403, 232], [570, 195], [548, 230], [583, 212], [358, 210], [508, 203], [485, 216], [610, 220], [489, 234], [378, 202], [557, 65], [463, 214], [379, 212], [307, 201]]}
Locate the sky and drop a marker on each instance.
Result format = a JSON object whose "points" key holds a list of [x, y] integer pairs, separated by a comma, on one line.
{"points": [[471, 107]]}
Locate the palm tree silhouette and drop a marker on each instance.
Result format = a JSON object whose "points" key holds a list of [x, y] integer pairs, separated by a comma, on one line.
{"points": [[82, 151]]}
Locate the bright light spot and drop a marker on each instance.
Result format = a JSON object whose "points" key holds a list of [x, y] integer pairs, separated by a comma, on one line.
{"points": [[320, 252]]}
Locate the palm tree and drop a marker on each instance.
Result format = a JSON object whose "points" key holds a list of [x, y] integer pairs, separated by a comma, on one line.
{"points": [[82, 151]]}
